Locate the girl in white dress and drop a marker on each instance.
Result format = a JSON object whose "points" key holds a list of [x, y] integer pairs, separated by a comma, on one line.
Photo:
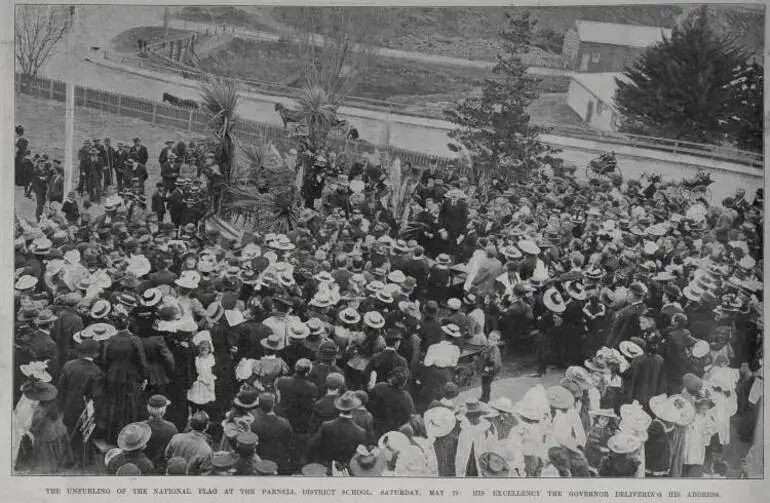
{"points": [[201, 392]]}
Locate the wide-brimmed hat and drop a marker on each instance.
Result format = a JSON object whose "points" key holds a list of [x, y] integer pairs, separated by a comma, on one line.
{"points": [[158, 401], [396, 277], [630, 349], [553, 301], [26, 282], [674, 409], [476, 408], [275, 342], [511, 252], [134, 436], [693, 292], [45, 317], [40, 391], [347, 401], [375, 286], [593, 273], [99, 332], [439, 421], [452, 330], [503, 404], [101, 309], [323, 298], [700, 349], [529, 247], [324, 277], [623, 443], [491, 464], [385, 296], [560, 397], [575, 289], [443, 259], [314, 327], [603, 413], [349, 316], [247, 398], [151, 297], [41, 246], [579, 376], [188, 279], [374, 319], [596, 365], [300, 330], [367, 462]]}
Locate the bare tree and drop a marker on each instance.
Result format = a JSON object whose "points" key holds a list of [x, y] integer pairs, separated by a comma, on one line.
{"points": [[38, 29], [338, 44]]}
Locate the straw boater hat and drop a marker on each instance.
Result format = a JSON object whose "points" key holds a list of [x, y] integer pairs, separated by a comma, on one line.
{"points": [[99, 332], [349, 316], [700, 349], [374, 319], [503, 404], [630, 349], [529, 247], [274, 342], [26, 282], [623, 443], [300, 330], [452, 330]]}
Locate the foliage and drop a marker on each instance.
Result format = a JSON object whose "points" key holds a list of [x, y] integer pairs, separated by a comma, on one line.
{"points": [[681, 88], [746, 125], [495, 127], [38, 29], [336, 45], [548, 40], [220, 102]]}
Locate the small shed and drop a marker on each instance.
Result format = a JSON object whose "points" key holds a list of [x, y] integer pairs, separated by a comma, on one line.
{"points": [[592, 97], [607, 47]]}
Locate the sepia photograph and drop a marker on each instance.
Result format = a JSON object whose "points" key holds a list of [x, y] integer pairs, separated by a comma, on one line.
{"points": [[373, 241]]}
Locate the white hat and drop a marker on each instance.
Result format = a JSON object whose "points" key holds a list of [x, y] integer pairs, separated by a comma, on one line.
{"points": [[439, 421], [700, 349], [630, 349], [374, 319], [454, 304]]}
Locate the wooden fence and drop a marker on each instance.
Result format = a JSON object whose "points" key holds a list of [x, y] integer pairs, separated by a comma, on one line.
{"points": [[158, 113]]}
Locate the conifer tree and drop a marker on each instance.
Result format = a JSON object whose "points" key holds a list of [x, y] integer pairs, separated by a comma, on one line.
{"points": [[682, 87], [495, 127]]}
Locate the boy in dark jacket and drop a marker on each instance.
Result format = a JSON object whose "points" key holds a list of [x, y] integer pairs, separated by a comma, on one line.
{"points": [[70, 209]]}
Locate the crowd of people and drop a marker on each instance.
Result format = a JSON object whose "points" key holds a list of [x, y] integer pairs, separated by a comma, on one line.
{"points": [[341, 347]]}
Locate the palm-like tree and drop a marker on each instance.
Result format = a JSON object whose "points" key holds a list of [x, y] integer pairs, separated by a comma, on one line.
{"points": [[318, 109], [220, 101]]}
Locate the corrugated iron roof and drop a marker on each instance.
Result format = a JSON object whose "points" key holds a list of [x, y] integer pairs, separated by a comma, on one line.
{"points": [[620, 34]]}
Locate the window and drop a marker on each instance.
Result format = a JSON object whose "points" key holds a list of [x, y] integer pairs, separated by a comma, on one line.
{"points": [[595, 57], [599, 107]]}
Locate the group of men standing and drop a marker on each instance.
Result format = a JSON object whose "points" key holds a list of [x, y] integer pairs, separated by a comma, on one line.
{"points": [[101, 166]]}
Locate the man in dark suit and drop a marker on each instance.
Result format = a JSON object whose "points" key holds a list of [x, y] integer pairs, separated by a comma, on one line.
{"points": [[337, 439], [390, 403], [324, 408], [121, 167], [139, 151], [93, 166], [162, 431], [383, 363], [275, 435], [69, 322], [626, 323], [418, 268], [163, 156], [296, 397], [110, 161], [81, 380]]}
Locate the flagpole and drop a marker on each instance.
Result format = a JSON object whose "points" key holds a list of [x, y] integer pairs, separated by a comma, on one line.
{"points": [[69, 116]]}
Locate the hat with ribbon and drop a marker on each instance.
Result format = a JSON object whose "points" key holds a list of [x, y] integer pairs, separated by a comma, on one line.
{"points": [[367, 462], [374, 319], [553, 301]]}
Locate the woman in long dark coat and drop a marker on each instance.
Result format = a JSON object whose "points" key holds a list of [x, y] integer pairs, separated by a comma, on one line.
{"points": [[226, 385], [181, 378], [127, 371]]}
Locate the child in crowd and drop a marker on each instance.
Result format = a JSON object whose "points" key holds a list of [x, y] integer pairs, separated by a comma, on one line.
{"points": [[158, 201], [70, 209]]}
